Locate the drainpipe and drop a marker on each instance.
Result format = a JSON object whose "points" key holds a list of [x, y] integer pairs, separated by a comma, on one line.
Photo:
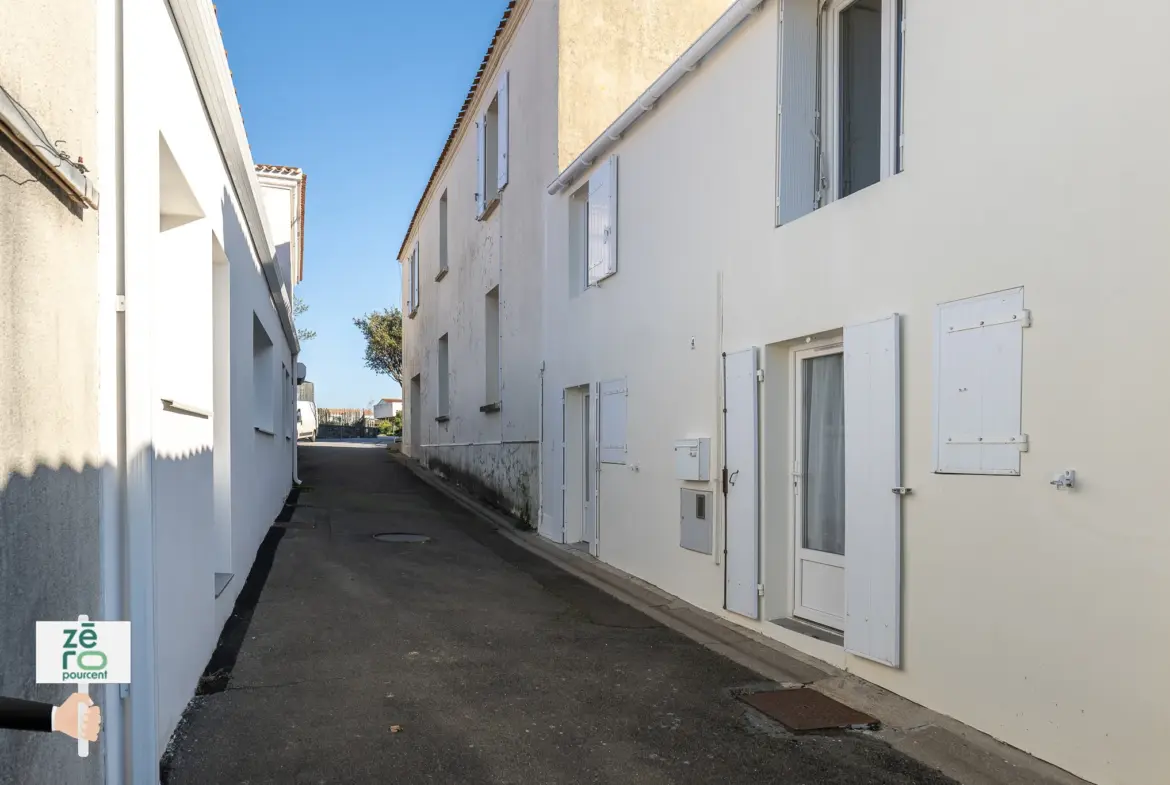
{"points": [[296, 431], [112, 376], [540, 457]]}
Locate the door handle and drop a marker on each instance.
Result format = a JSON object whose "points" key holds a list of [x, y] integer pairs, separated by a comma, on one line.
{"points": [[731, 477]]}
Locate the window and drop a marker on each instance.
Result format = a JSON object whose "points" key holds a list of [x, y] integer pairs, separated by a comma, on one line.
{"points": [[601, 210], [613, 421], [579, 241], [444, 379], [841, 100], [442, 237], [978, 384], [492, 349], [262, 379], [412, 295], [492, 150]]}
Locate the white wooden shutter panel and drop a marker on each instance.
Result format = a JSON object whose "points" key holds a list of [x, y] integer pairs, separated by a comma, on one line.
{"points": [[598, 205], [613, 421], [502, 133], [979, 349], [873, 503], [408, 263], [480, 165], [610, 238], [796, 178], [741, 429], [414, 278]]}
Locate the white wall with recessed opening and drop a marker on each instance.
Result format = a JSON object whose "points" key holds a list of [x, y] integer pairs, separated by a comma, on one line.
{"points": [[219, 475]]}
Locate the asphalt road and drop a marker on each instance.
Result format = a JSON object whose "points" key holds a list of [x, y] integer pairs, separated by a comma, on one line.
{"points": [[467, 659]]}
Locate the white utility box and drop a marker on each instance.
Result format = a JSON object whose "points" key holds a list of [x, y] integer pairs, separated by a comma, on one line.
{"points": [[692, 459]]}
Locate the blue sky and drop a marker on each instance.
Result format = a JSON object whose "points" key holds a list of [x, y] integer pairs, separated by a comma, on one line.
{"points": [[361, 95]]}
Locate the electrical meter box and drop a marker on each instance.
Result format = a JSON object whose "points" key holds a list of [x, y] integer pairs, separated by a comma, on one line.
{"points": [[692, 459]]}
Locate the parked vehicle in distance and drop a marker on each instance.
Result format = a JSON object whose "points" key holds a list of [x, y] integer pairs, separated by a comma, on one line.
{"points": [[306, 421]]}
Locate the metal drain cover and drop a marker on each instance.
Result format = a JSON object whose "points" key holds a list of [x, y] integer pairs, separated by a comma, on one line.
{"points": [[401, 537], [803, 709]]}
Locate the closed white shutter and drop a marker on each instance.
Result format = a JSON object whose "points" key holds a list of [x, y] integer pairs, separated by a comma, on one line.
{"points": [[796, 178], [613, 421], [979, 348], [603, 222], [873, 505], [502, 133], [480, 165]]}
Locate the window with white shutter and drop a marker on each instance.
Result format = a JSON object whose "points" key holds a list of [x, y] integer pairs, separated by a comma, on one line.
{"points": [[613, 421], [840, 100], [602, 227], [491, 132], [979, 384]]}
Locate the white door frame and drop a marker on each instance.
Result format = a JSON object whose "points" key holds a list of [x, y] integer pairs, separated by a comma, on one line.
{"points": [[800, 354]]}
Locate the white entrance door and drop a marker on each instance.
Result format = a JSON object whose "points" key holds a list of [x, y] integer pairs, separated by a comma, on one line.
{"points": [[818, 470], [741, 482]]}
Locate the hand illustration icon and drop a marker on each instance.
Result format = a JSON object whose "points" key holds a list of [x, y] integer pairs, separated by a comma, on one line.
{"points": [[68, 720]]}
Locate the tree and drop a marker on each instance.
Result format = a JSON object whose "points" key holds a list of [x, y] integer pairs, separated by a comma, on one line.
{"points": [[299, 307], [383, 333]]}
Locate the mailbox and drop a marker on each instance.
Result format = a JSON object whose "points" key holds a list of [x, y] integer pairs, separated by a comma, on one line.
{"points": [[692, 459]]}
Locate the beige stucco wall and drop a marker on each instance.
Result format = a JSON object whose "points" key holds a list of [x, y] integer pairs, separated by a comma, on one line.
{"points": [[1030, 613], [611, 51], [49, 477]]}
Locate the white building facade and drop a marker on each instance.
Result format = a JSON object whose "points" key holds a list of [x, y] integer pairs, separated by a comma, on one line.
{"points": [[209, 352], [839, 332], [473, 256]]}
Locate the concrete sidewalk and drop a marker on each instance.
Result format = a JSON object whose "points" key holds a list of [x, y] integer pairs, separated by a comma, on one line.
{"points": [[473, 659]]}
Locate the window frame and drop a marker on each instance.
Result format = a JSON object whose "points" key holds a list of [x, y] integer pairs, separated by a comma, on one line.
{"points": [[828, 153]]}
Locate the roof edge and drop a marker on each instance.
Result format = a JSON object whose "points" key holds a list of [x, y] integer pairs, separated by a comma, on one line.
{"points": [[713, 36], [514, 11]]}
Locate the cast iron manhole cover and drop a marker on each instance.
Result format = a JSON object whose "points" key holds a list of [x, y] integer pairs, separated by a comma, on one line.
{"points": [[803, 709], [401, 537]]}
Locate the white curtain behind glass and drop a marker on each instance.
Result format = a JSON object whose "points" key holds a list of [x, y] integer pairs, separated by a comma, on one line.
{"points": [[824, 453]]}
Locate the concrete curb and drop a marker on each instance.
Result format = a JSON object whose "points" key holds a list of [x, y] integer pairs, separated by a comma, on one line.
{"points": [[963, 753]]}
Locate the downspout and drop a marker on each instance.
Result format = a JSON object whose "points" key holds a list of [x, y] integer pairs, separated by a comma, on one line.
{"points": [[296, 431], [540, 457], [112, 373]]}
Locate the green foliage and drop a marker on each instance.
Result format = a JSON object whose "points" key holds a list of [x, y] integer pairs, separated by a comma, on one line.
{"points": [[299, 307], [383, 334]]}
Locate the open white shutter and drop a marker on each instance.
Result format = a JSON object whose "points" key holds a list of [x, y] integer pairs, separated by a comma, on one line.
{"points": [[408, 263], [613, 421], [480, 165], [741, 481], [414, 302], [502, 133], [610, 239], [796, 178], [598, 206], [873, 502]]}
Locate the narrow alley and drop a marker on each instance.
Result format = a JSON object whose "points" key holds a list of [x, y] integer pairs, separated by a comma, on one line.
{"points": [[467, 659]]}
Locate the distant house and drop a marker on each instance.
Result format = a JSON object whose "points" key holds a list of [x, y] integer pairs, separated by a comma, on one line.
{"points": [[387, 408]]}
